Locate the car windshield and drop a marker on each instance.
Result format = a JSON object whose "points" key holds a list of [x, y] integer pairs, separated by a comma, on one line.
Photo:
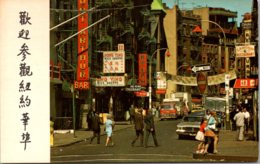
{"points": [[192, 119]]}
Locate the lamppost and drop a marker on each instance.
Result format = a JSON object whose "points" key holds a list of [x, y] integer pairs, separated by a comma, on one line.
{"points": [[150, 75], [226, 65]]}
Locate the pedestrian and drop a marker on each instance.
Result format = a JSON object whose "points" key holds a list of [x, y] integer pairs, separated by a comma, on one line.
{"points": [[132, 114], [207, 114], [150, 128], [139, 127], [109, 126], [247, 119], [201, 136], [96, 128], [240, 123], [90, 115], [211, 132]]}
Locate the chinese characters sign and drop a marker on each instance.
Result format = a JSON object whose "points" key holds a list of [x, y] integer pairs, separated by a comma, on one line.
{"points": [[25, 72], [83, 69], [114, 62], [25, 81], [142, 73], [246, 83]]}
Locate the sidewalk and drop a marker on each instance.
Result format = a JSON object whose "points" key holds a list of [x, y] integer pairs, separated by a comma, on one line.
{"points": [[229, 149]]}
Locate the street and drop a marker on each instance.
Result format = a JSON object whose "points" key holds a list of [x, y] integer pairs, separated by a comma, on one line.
{"points": [[170, 149]]}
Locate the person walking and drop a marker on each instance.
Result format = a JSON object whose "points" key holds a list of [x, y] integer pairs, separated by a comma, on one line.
{"points": [[132, 114], [109, 126], [201, 136], [139, 127], [240, 123], [247, 119], [150, 128], [95, 128], [90, 115]]}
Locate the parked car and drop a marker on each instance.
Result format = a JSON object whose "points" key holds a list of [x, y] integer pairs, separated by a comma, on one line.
{"points": [[190, 125]]}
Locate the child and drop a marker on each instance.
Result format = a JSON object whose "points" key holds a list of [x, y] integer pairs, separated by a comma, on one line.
{"points": [[200, 136]]}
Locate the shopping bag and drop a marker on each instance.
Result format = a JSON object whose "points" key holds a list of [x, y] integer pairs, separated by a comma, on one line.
{"points": [[200, 136]]}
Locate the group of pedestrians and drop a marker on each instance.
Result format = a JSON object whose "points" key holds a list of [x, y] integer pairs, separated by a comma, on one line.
{"points": [[94, 125], [141, 123], [242, 119], [144, 123], [208, 133]]}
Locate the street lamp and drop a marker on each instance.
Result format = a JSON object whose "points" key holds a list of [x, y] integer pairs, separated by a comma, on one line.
{"points": [[150, 76], [226, 64]]}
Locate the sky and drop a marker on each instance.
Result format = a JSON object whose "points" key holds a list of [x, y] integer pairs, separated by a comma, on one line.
{"points": [[241, 6]]}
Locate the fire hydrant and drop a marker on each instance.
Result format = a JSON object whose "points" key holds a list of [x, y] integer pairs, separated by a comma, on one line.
{"points": [[51, 132]]}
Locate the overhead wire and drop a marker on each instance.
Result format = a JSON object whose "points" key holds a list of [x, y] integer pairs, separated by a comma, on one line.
{"points": [[97, 10]]}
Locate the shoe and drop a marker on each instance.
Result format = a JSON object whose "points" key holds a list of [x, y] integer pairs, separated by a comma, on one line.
{"points": [[197, 151], [215, 152]]}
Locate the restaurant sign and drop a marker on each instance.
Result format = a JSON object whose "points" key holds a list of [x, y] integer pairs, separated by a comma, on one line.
{"points": [[110, 81]]}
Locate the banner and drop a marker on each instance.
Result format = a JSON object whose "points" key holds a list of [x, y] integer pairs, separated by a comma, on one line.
{"points": [[82, 69], [142, 69]]}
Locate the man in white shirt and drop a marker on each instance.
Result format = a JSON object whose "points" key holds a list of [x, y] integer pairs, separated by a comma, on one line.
{"points": [[240, 123], [247, 118]]}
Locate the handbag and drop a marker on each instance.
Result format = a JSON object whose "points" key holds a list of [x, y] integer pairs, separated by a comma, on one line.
{"points": [[200, 136]]}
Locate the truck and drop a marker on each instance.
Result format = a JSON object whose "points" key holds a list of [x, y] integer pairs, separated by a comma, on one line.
{"points": [[185, 100], [179, 103]]}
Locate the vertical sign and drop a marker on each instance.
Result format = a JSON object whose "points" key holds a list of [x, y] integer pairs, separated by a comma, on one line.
{"points": [[142, 66], [83, 69], [24, 81]]}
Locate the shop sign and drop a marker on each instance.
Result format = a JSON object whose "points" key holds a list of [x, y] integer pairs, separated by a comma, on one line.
{"points": [[246, 83], [134, 88], [110, 81], [160, 91], [114, 62], [245, 51], [81, 85], [142, 69], [161, 80], [141, 94]]}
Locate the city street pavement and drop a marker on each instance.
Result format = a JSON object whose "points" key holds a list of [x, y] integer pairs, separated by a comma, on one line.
{"points": [[229, 148]]}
